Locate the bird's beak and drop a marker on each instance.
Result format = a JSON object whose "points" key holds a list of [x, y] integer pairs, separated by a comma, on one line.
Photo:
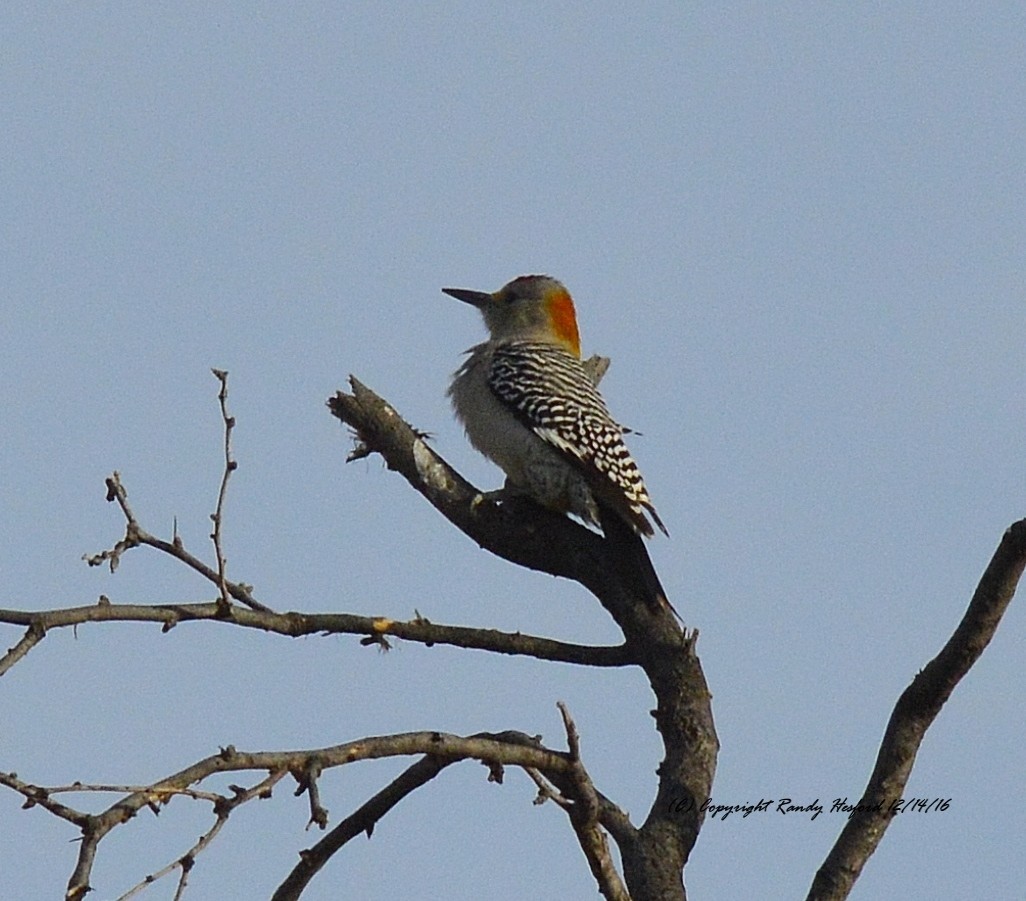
{"points": [[474, 298]]}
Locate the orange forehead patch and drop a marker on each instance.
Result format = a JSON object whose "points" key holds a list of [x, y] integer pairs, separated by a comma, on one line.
{"points": [[563, 319]]}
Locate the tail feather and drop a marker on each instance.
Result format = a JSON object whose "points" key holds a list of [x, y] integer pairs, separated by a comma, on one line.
{"points": [[631, 557]]}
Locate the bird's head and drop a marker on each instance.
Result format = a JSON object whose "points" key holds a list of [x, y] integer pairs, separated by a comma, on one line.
{"points": [[529, 308]]}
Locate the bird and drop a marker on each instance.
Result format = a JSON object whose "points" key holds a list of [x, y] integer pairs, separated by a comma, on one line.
{"points": [[530, 404]]}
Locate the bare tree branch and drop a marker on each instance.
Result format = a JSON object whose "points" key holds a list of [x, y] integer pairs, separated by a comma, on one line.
{"points": [[914, 713], [525, 534], [297, 624], [501, 749]]}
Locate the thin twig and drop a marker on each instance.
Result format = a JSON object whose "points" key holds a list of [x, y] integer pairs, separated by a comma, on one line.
{"points": [[223, 808], [26, 643], [230, 466], [546, 790], [136, 535], [111, 789], [584, 817]]}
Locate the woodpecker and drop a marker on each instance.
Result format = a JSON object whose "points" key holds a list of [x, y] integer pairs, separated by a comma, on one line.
{"points": [[528, 403]]}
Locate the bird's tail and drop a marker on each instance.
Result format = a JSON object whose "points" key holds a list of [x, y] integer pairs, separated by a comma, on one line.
{"points": [[631, 557]]}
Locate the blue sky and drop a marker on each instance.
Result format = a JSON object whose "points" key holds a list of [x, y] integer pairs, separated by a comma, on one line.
{"points": [[797, 231]]}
